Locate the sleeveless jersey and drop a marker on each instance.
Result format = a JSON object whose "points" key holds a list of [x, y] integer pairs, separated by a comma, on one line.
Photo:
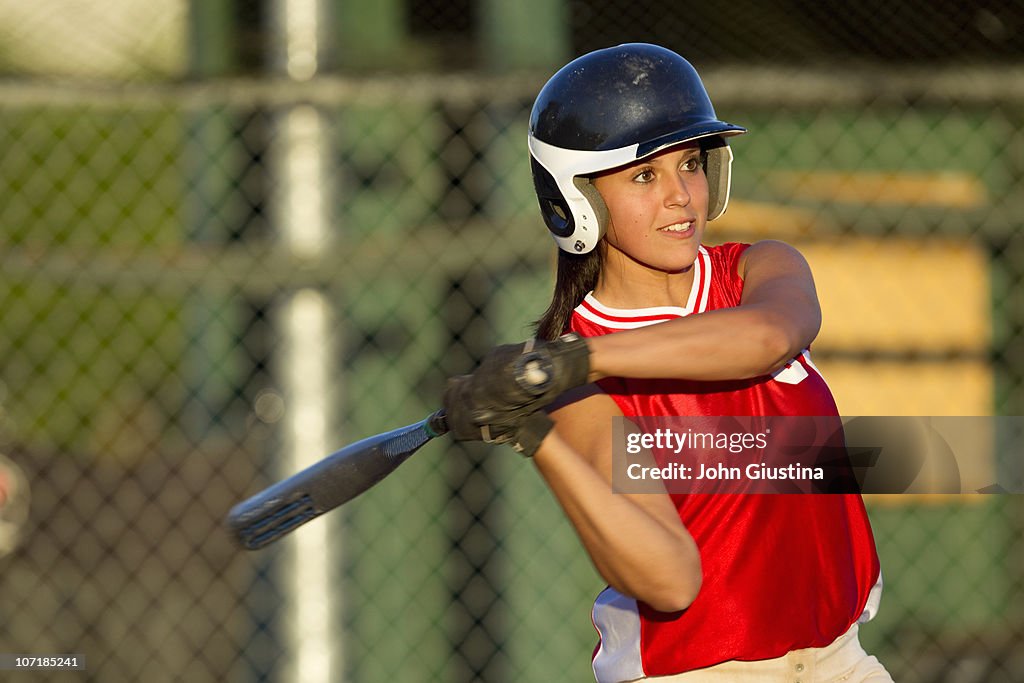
{"points": [[780, 572]]}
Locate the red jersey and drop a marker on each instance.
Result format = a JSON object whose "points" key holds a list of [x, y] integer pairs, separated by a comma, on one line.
{"points": [[780, 572]]}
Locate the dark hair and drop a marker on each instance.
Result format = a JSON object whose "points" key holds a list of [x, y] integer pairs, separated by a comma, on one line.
{"points": [[576, 275]]}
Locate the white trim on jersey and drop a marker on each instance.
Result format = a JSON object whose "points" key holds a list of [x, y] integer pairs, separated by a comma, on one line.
{"points": [[699, 295], [626, 318], [617, 620], [873, 601], [632, 318], [806, 353]]}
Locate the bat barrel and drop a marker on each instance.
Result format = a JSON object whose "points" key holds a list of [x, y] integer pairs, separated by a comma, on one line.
{"points": [[323, 486]]}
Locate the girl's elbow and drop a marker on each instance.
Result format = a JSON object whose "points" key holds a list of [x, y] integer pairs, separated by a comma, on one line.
{"points": [[780, 343], [676, 596], [675, 587], [779, 348]]}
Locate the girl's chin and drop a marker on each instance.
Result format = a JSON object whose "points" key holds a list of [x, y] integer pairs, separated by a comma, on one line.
{"points": [[666, 258], [677, 262], [672, 267]]}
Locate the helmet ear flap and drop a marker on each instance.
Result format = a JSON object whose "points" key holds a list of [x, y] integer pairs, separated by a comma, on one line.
{"points": [[718, 170], [596, 201]]}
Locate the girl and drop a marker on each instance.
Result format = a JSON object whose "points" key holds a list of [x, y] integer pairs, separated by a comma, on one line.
{"points": [[630, 163]]}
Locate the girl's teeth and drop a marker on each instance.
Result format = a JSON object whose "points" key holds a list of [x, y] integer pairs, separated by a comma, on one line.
{"points": [[678, 227]]}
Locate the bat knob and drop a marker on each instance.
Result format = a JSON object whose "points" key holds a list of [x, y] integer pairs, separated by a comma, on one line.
{"points": [[437, 423]]}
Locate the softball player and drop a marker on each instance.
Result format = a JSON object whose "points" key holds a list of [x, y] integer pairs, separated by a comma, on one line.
{"points": [[630, 162]]}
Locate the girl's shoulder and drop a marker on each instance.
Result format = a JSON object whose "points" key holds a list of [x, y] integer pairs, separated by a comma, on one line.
{"points": [[727, 252], [724, 260]]}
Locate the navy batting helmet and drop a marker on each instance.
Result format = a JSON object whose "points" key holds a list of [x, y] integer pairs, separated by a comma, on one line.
{"points": [[609, 108]]}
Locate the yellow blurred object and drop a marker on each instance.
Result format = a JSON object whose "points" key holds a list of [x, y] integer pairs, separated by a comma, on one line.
{"points": [[906, 329], [901, 388], [901, 295], [954, 190], [761, 220]]}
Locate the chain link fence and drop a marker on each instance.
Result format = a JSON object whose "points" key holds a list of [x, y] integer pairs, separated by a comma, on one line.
{"points": [[161, 240]]}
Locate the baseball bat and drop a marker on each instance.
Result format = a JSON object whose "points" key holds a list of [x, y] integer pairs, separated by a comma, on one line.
{"points": [[323, 486], [343, 475]]}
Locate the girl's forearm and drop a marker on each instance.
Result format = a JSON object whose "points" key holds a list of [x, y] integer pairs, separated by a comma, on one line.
{"points": [[734, 343], [636, 553]]}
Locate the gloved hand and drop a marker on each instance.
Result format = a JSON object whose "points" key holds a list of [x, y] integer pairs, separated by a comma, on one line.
{"points": [[521, 378], [501, 401], [521, 430]]}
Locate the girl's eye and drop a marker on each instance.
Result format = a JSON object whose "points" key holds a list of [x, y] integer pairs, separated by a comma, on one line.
{"points": [[691, 164], [644, 176]]}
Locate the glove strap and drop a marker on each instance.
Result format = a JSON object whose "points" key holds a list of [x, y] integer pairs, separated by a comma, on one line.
{"points": [[535, 371], [531, 433]]}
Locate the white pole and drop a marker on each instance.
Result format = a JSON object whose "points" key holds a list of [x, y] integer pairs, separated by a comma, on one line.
{"points": [[311, 650], [300, 177]]}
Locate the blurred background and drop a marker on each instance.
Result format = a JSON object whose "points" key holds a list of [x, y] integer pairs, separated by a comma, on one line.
{"points": [[237, 235]]}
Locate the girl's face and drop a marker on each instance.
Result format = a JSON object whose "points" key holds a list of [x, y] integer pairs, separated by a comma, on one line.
{"points": [[658, 209]]}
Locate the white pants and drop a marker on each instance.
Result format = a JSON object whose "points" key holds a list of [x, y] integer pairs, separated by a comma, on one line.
{"points": [[844, 661]]}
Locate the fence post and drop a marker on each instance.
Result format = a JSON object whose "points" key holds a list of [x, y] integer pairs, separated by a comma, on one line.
{"points": [[298, 158]]}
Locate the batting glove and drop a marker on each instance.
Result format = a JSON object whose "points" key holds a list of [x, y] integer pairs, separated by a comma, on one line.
{"points": [[524, 432], [518, 379]]}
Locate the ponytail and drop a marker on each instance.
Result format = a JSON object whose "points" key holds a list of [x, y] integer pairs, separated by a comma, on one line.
{"points": [[575, 277]]}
